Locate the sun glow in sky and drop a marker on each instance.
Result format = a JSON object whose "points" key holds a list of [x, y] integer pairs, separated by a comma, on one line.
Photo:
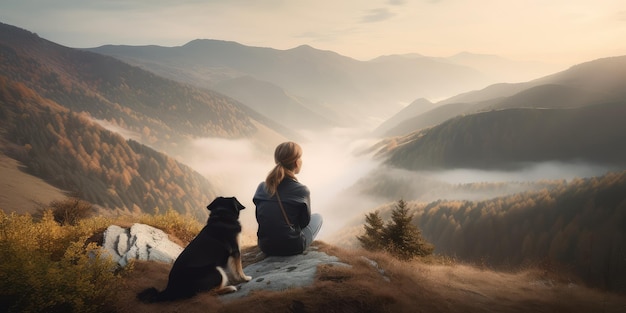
{"points": [[556, 31]]}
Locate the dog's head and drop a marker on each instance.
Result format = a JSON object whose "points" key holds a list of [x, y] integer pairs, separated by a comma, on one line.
{"points": [[225, 207]]}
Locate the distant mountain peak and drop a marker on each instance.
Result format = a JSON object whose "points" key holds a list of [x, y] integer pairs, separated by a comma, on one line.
{"points": [[311, 50], [304, 47], [398, 56], [421, 101]]}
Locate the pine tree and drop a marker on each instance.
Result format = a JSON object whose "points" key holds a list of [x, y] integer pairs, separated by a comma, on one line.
{"points": [[400, 237], [404, 239], [373, 239]]}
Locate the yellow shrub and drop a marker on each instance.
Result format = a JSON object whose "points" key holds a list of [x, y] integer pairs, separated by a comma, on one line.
{"points": [[45, 267], [184, 228]]}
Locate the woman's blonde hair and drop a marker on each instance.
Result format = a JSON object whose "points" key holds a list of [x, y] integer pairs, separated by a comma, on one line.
{"points": [[285, 156]]}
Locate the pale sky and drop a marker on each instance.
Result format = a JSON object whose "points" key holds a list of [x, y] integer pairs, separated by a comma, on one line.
{"points": [[554, 31]]}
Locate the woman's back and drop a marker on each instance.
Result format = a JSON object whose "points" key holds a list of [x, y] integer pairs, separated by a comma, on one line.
{"points": [[275, 236], [283, 206]]}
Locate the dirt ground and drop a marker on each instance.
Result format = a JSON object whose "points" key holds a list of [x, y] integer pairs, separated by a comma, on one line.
{"points": [[391, 286]]}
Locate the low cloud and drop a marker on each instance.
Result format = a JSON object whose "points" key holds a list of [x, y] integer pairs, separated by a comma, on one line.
{"points": [[127, 134], [527, 173], [377, 15]]}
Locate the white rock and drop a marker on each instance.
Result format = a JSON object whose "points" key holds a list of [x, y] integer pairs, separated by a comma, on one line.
{"points": [[142, 242], [110, 242], [280, 273]]}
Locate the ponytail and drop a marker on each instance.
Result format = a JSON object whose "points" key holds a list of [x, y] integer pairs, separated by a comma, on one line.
{"points": [[285, 156]]}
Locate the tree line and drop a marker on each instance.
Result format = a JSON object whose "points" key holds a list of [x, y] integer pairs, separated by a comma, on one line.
{"points": [[163, 111], [74, 154], [503, 139], [579, 225]]}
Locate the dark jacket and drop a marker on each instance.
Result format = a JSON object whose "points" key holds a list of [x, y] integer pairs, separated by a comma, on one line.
{"points": [[275, 237]]}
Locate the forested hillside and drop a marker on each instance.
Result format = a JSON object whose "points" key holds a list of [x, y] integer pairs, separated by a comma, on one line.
{"points": [[580, 224], [162, 112], [73, 153], [577, 226], [509, 138]]}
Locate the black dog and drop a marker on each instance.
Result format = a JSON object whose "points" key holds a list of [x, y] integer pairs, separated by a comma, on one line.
{"points": [[200, 266]]}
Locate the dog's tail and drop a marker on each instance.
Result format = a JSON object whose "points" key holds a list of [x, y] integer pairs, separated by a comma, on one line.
{"points": [[150, 295]]}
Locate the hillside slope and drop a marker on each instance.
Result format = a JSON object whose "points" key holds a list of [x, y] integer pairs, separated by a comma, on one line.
{"points": [[22, 192], [74, 154], [276, 104], [577, 226], [595, 82], [511, 138], [378, 283], [162, 112]]}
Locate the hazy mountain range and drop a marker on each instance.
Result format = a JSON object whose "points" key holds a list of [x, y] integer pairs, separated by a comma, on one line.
{"points": [[574, 115], [51, 96], [294, 85], [599, 81]]}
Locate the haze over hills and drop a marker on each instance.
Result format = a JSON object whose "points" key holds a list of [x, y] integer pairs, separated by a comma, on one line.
{"points": [[162, 112], [416, 108], [505, 70], [152, 110], [340, 88], [594, 82], [603, 77], [276, 104]]}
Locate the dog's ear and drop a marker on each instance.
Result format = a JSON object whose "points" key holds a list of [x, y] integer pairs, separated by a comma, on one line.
{"points": [[238, 205], [226, 202], [217, 202]]}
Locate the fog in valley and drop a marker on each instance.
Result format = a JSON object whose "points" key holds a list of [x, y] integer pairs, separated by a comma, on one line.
{"points": [[331, 165], [346, 183]]}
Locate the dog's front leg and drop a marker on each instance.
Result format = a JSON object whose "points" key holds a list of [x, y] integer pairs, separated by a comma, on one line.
{"points": [[235, 267], [234, 262]]}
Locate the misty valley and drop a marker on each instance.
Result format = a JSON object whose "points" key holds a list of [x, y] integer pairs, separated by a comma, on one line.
{"points": [[499, 170]]}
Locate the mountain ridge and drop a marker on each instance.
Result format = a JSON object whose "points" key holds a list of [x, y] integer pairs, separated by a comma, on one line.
{"points": [[573, 87], [339, 84], [125, 95], [505, 138], [68, 89]]}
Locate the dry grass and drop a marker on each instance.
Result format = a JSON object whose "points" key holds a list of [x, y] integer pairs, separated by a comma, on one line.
{"points": [[22, 192], [412, 287]]}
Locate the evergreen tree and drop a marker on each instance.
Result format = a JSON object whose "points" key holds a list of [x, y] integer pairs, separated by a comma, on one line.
{"points": [[373, 239], [400, 237]]}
